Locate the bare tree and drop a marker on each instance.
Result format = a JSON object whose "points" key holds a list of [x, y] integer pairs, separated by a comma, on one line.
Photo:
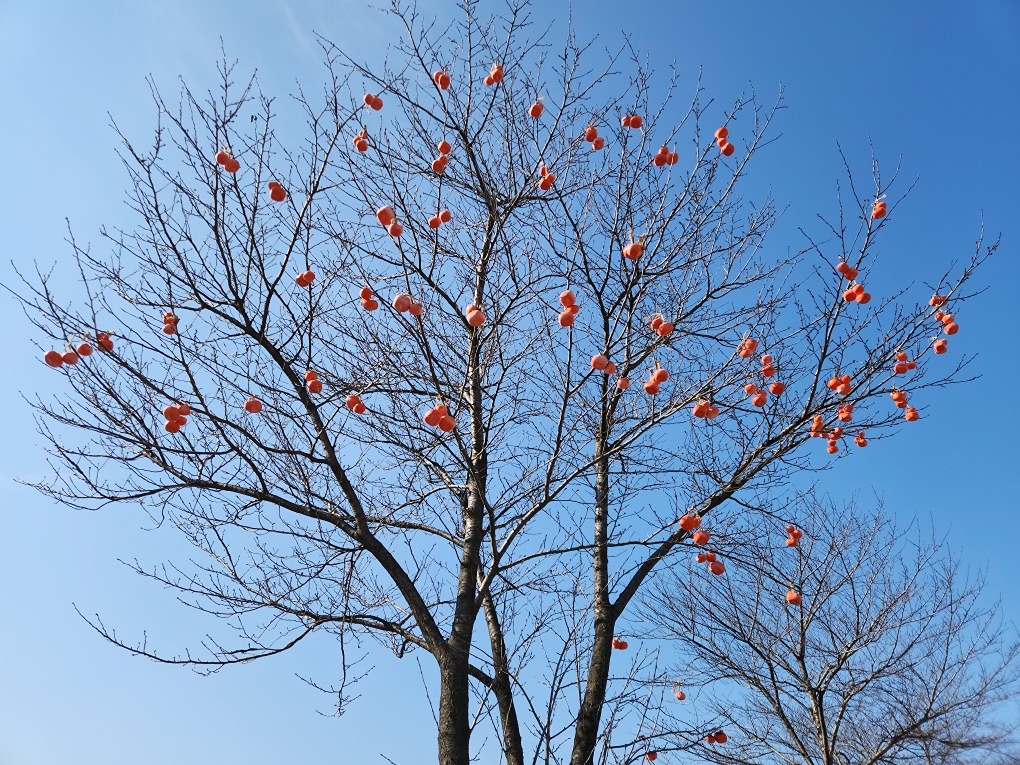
{"points": [[860, 642], [523, 524]]}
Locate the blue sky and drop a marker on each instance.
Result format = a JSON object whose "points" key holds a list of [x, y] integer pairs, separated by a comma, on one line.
{"points": [[934, 83]]}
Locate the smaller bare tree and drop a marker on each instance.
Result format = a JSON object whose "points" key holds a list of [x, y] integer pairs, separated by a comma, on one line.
{"points": [[857, 643]]}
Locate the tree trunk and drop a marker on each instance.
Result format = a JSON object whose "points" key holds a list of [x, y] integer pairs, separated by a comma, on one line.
{"points": [[454, 731], [586, 729], [589, 716]]}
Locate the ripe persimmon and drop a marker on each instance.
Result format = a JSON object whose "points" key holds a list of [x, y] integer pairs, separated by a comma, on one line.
{"points": [[599, 362], [700, 537], [401, 302], [53, 358], [598, 144], [253, 405], [651, 388], [793, 597], [759, 399], [660, 375], [777, 388], [395, 230], [83, 349], [566, 319], [385, 215], [727, 149], [940, 346], [634, 250], [689, 522], [277, 193], [665, 329], [445, 216], [623, 383], [535, 110]]}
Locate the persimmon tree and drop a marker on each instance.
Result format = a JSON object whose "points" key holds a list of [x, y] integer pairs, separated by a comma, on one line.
{"points": [[856, 642], [457, 348]]}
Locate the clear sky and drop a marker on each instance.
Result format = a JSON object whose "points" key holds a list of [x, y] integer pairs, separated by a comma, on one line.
{"points": [[936, 83]]}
